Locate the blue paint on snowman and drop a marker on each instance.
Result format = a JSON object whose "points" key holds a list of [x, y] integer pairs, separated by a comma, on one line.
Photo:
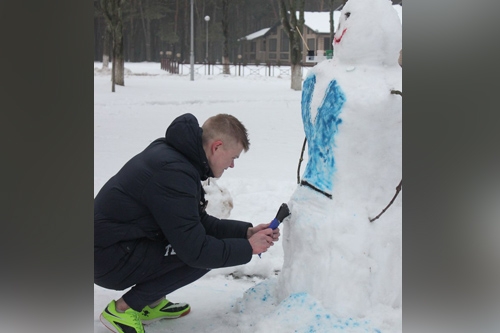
{"points": [[320, 134]]}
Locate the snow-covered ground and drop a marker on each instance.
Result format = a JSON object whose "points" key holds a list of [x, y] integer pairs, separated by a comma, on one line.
{"points": [[263, 178], [225, 300]]}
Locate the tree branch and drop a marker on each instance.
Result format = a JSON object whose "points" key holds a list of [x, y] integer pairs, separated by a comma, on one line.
{"points": [[284, 17], [301, 159], [398, 189]]}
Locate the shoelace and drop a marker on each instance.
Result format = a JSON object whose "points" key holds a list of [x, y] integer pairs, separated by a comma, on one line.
{"points": [[137, 320]]}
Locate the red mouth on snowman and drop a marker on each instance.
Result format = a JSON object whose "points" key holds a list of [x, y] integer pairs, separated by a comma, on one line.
{"points": [[337, 40]]}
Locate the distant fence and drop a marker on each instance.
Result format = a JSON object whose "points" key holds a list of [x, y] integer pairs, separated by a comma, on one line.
{"points": [[173, 67]]}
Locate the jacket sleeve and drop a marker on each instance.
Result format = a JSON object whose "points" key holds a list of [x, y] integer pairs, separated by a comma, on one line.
{"points": [[223, 228], [171, 196]]}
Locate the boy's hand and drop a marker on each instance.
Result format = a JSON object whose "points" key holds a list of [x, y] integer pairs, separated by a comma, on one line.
{"points": [[261, 241], [252, 231]]}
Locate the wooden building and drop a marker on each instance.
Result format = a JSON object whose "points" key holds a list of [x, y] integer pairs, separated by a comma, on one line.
{"points": [[271, 45]]}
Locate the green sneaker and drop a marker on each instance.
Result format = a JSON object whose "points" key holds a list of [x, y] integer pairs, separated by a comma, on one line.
{"points": [[121, 322], [165, 309]]}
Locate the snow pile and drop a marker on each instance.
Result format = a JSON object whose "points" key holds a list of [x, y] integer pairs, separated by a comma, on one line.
{"points": [[219, 200], [299, 312]]}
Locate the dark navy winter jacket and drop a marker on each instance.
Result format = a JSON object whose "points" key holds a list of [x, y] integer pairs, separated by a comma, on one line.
{"points": [[158, 195]]}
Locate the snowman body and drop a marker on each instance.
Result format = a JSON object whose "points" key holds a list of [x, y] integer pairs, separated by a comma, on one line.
{"points": [[353, 124]]}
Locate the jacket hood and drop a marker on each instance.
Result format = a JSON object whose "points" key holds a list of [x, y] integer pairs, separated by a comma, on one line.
{"points": [[184, 135]]}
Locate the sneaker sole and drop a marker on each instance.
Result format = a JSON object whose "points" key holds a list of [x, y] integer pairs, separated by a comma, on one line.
{"points": [[107, 324], [146, 322]]}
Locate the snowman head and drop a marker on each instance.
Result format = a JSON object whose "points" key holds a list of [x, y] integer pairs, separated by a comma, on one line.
{"points": [[369, 32]]}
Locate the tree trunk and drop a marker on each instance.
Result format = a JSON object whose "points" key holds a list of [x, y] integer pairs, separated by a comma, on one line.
{"points": [[225, 31], [112, 10], [106, 48], [176, 17], [296, 77], [148, 34], [332, 25], [185, 33], [118, 58], [146, 26], [293, 27], [113, 75], [131, 34]]}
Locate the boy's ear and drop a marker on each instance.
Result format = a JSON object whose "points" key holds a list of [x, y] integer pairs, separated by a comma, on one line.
{"points": [[216, 145]]}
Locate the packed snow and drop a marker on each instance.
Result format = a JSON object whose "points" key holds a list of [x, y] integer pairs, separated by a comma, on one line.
{"points": [[252, 297]]}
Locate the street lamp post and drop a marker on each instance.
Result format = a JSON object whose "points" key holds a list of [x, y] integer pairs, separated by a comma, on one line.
{"points": [[207, 18]]}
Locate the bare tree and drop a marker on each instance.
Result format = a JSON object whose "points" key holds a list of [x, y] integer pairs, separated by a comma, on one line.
{"points": [[131, 31], [293, 27], [105, 49], [103, 35], [146, 27], [332, 28], [225, 32], [151, 26], [112, 10]]}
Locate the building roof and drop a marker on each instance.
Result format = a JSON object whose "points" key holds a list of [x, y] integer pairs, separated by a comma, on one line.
{"points": [[257, 34]]}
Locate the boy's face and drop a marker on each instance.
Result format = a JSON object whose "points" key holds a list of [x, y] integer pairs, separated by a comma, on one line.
{"points": [[222, 156]]}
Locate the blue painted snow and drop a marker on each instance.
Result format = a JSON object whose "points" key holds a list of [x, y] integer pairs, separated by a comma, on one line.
{"points": [[310, 317], [299, 312], [320, 132]]}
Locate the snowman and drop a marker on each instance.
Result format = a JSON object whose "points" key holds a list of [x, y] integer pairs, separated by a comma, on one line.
{"points": [[353, 126]]}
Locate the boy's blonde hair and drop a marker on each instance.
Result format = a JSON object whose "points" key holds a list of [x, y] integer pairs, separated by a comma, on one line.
{"points": [[224, 127]]}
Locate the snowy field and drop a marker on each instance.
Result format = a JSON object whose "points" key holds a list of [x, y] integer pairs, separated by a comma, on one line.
{"points": [[126, 121]]}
